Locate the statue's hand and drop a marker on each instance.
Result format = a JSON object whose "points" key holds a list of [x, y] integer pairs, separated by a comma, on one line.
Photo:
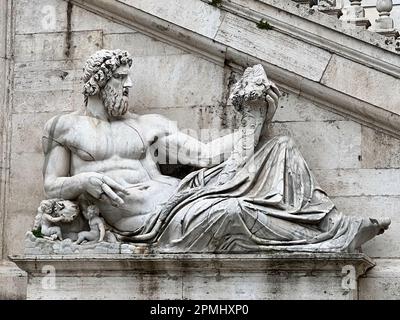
{"points": [[254, 88], [273, 95], [272, 98], [103, 188]]}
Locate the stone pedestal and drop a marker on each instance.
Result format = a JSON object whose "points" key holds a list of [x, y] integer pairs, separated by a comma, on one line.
{"points": [[385, 24], [194, 276], [355, 15]]}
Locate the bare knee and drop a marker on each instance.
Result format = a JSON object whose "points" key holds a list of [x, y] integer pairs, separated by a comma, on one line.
{"points": [[231, 206]]}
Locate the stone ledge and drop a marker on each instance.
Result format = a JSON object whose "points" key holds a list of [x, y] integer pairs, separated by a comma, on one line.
{"points": [[203, 262], [194, 276]]}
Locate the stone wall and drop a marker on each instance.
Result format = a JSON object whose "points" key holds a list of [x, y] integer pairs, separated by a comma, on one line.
{"points": [[3, 94], [356, 165]]}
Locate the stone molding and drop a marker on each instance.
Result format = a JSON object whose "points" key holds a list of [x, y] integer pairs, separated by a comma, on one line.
{"points": [[321, 30], [194, 276], [318, 31], [291, 261]]}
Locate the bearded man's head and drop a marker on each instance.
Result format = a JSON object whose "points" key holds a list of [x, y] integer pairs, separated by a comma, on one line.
{"points": [[104, 74]]}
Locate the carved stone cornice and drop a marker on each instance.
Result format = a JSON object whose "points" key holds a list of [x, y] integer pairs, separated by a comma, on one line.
{"points": [[281, 261], [207, 31], [321, 30], [194, 276]]}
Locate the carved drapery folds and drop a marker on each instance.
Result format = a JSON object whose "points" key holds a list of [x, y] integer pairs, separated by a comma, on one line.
{"points": [[258, 196]]}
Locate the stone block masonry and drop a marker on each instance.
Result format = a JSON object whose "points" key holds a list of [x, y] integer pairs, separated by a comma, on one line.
{"points": [[356, 164]]}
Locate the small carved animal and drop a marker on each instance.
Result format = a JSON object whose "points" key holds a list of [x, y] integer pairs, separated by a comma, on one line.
{"points": [[52, 212]]}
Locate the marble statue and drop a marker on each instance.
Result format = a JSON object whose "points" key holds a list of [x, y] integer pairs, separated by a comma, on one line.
{"points": [[96, 224], [51, 213], [246, 195]]}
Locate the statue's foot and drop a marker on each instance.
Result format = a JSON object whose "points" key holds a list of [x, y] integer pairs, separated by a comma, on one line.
{"points": [[369, 229]]}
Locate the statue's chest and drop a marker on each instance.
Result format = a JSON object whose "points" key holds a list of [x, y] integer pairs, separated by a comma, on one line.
{"points": [[99, 141]]}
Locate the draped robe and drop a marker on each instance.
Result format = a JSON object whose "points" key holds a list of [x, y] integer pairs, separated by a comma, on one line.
{"points": [[271, 202]]}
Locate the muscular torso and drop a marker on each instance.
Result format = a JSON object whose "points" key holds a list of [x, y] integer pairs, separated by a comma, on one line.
{"points": [[122, 150]]}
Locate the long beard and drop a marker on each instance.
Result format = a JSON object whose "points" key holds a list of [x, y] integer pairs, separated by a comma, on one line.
{"points": [[115, 102]]}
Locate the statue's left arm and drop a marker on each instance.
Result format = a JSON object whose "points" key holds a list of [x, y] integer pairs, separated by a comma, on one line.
{"points": [[255, 98]]}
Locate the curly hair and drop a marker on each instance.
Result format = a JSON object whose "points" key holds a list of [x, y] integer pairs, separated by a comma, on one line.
{"points": [[99, 69], [253, 85]]}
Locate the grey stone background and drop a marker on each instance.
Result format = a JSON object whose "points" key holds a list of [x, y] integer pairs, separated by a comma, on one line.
{"points": [[356, 165]]}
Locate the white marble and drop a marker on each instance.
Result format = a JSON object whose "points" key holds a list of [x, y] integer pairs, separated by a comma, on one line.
{"points": [[140, 45], [338, 147], [203, 18], [354, 14], [385, 23], [83, 20], [264, 277], [35, 104], [3, 28], [43, 47], [272, 46], [331, 7], [385, 247], [193, 80], [353, 182], [13, 282], [315, 28], [354, 79], [50, 16], [375, 143], [382, 282], [47, 75], [124, 197]]}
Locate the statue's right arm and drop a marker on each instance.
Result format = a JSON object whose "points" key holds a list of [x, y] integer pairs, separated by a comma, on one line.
{"points": [[56, 168], [57, 182]]}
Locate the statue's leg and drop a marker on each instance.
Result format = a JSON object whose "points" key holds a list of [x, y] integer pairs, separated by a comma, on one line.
{"points": [[82, 236], [272, 202], [92, 236], [226, 224]]}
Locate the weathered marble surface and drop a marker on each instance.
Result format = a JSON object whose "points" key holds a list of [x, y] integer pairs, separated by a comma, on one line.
{"points": [[272, 46], [342, 75], [382, 282], [31, 109], [13, 282], [206, 276], [354, 14], [247, 196], [41, 246]]}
